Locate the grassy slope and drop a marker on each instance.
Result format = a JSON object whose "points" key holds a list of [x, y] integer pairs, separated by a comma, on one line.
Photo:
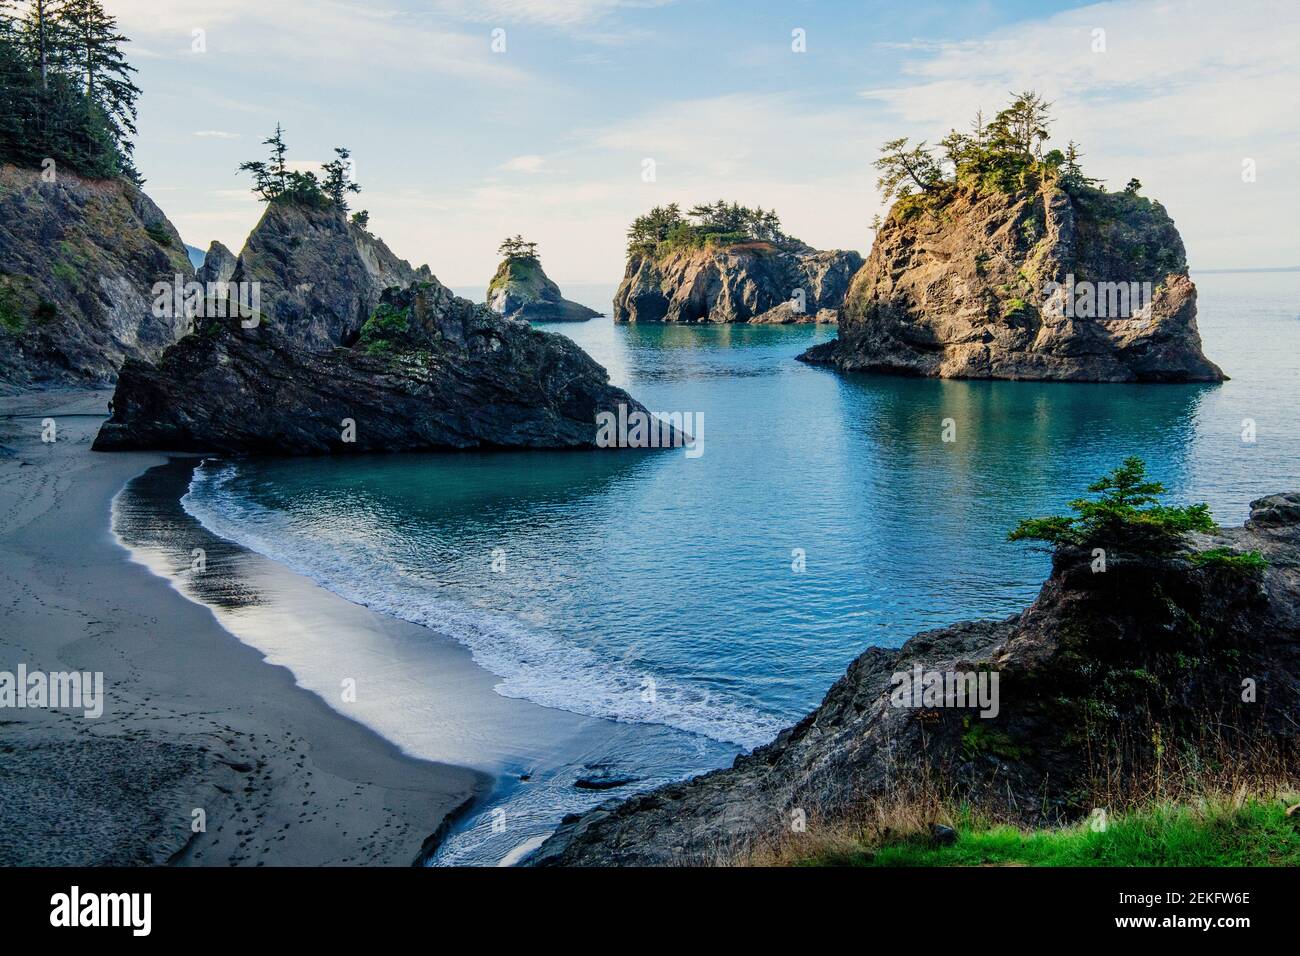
{"points": [[1218, 833]]}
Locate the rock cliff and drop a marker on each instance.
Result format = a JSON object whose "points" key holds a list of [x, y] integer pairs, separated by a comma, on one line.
{"points": [[1142, 656], [522, 290], [428, 370], [320, 275], [1044, 283], [755, 282], [218, 264], [78, 262]]}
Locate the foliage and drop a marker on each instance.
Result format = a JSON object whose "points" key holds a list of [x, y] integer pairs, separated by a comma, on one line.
{"points": [[718, 223], [385, 325], [66, 92], [158, 233], [1004, 154], [361, 219], [1244, 562], [338, 178], [1126, 516], [517, 248], [1218, 832], [274, 181]]}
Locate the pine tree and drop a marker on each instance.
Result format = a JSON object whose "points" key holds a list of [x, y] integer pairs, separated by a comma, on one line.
{"points": [[279, 170], [92, 42], [338, 183], [42, 30], [48, 109]]}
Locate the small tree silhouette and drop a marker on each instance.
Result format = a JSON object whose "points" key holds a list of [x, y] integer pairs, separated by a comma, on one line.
{"points": [[516, 247]]}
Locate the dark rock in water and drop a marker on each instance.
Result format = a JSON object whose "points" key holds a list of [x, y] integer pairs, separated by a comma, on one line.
{"points": [[943, 835], [429, 370], [319, 274], [1097, 657], [218, 264], [603, 777], [79, 259], [756, 282], [1044, 283], [521, 290]]}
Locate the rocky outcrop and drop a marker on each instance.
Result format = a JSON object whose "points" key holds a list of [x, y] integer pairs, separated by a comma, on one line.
{"points": [[218, 264], [1140, 657], [522, 290], [428, 370], [320, 275], [78, 262], [1076, 285], [755, 282]]}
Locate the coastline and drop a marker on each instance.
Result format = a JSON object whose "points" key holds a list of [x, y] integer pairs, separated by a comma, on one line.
{"points": [[193, 719]]}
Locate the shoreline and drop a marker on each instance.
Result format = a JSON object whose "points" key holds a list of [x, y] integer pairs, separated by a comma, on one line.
{"points": [[417, 686], [197, 734]]}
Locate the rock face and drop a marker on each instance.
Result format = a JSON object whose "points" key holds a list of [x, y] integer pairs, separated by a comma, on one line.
{"points": [[521, 290], [429, 370], [1040, 284], [1145, 651], [753, 282], [218, 265], [78, 262], [320, 275]]}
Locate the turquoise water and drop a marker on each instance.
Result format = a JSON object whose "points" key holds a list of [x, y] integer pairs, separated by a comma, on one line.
{"points": [[651, 587]]}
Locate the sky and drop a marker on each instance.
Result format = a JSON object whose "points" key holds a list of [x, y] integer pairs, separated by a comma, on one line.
{"points": [[471, 120]]}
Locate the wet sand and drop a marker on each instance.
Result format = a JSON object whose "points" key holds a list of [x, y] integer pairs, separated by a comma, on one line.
{"points": [[197, 726]]}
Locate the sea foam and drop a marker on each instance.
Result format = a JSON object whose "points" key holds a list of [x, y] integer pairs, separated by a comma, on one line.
{"points": [[533, 663]]}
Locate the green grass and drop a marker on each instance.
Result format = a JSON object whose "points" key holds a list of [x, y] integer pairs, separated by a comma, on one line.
{"points": [[1257, 833], [67, 272], [1246, 562]]}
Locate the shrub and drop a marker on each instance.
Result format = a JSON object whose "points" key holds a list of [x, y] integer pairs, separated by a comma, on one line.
{"points": [[1127, 515], [159, 234]]}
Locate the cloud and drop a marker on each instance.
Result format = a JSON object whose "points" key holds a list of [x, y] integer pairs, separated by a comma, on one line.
{"points": [[1177, 94], [531, 163], [216, 134], [555, 13], [328, 41]]}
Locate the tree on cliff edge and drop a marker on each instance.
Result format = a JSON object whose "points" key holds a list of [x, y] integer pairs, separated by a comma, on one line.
{"points": [[517, 248], [66, 92], [274, 181]]}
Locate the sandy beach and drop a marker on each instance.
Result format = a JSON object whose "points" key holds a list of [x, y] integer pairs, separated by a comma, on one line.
{"points": [[196, 725]]}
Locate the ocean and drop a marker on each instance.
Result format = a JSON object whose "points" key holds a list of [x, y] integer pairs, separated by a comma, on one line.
{"points": [[687, 608]]}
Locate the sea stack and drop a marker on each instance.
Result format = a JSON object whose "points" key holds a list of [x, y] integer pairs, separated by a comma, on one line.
{"points": [[428, 370], [521, 290], [319, 273], [1017, 266], [723, 262]]}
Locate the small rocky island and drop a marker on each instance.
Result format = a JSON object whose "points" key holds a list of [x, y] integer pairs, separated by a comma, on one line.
{"points": [[521, 289], [1116, 668], [723, 262], [323, 341], [1001, 260]]}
